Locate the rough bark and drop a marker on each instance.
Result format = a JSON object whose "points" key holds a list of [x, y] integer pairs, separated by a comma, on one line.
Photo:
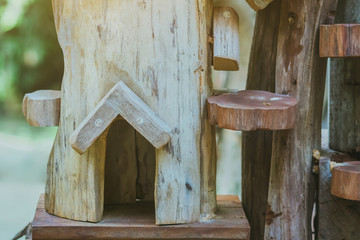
{"points": [[344, 90], [300, 72], [257, 145], [161, 51]]}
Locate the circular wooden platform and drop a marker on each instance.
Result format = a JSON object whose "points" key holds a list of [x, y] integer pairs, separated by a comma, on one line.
{"points": [[251, 110], [345, 181]]}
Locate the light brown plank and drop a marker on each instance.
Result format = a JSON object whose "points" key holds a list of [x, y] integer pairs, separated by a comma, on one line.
{"points": [[42, 108], [340, 40], [252, 110], [226, 39], [120, 101]]}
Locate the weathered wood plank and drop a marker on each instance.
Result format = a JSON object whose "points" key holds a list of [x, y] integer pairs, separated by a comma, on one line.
{"points": [[340, 40], [344, 108], [257, 145], [345, 181], [251, 110], [120, 100], [42, 108], [258, 4], [300, 72], [226, 39], [136, 221]]}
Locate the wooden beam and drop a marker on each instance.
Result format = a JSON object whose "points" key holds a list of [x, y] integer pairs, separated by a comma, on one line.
{"points": [[42, 108], [120, 101], [345, 182], [251, 110], [301, 73], [257, 145], [340, 40], [226, 39], [258, 4]]}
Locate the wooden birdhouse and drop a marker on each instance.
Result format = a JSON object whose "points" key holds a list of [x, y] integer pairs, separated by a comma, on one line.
{"points": [[137, 111]]}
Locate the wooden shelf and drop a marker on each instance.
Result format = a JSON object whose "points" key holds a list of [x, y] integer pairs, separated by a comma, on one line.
{"points": [[251, 110], [137, 221], [345, 181], [340, 40]]}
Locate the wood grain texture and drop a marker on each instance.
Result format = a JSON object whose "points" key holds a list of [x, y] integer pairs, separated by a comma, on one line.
{"points": [[257, 145], [344, 107], [300, 73], [42, 108], [340, 40], [251, 110], [136, 221], [120, 101], [169, 35], [338, 218], [345, 181], [258, 4], [226, 39]]}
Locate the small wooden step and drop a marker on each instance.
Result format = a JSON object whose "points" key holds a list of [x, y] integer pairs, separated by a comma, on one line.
{"points": [[345, 181], [340, 40], [251, 110], [42, 108]]}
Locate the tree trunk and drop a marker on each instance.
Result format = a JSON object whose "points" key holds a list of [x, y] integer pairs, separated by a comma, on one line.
{"points": [[160, 51], [256, 153], [344, 90], [300, 72]]}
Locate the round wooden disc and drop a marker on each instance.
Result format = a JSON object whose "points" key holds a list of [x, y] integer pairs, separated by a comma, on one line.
{"points": [[251, 110], [345, 181]]}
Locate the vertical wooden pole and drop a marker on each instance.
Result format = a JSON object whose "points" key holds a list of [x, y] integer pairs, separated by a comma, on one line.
{"points": [[344, 90], [300, 72], [257, 145]]}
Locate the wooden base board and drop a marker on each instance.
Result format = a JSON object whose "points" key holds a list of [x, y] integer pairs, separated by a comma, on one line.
{"points": [[137, 221]]}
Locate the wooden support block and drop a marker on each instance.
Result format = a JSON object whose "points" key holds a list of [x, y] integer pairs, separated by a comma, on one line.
{"points": [[137, 221], [120, 101], [42, 108], [226, 39], [258, 4], [251, 110], [345, 182], [340, 40]]}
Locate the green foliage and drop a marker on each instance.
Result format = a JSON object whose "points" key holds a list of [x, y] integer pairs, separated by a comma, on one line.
{"points": [[30, 56]]}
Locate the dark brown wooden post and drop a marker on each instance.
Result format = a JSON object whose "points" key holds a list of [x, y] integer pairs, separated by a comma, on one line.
{"points": [[344, 90], [256, 153], [300, 72]]}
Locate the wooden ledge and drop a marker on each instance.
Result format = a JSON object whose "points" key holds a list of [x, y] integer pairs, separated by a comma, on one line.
{"points": [[340, 40], [137, 221], [345, 181], [258, 4], [251, 110], [42, 108]]}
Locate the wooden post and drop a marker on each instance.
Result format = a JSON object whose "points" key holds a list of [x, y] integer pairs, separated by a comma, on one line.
{"points": [[344, 90], [160, 50], [300, 72], [257, 145]]}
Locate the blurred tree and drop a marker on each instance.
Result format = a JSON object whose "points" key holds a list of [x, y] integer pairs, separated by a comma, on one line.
{"points": [[30, 56]]}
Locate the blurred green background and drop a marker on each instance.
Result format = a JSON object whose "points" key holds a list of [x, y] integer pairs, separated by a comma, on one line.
{"points": [[30, 60]]}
